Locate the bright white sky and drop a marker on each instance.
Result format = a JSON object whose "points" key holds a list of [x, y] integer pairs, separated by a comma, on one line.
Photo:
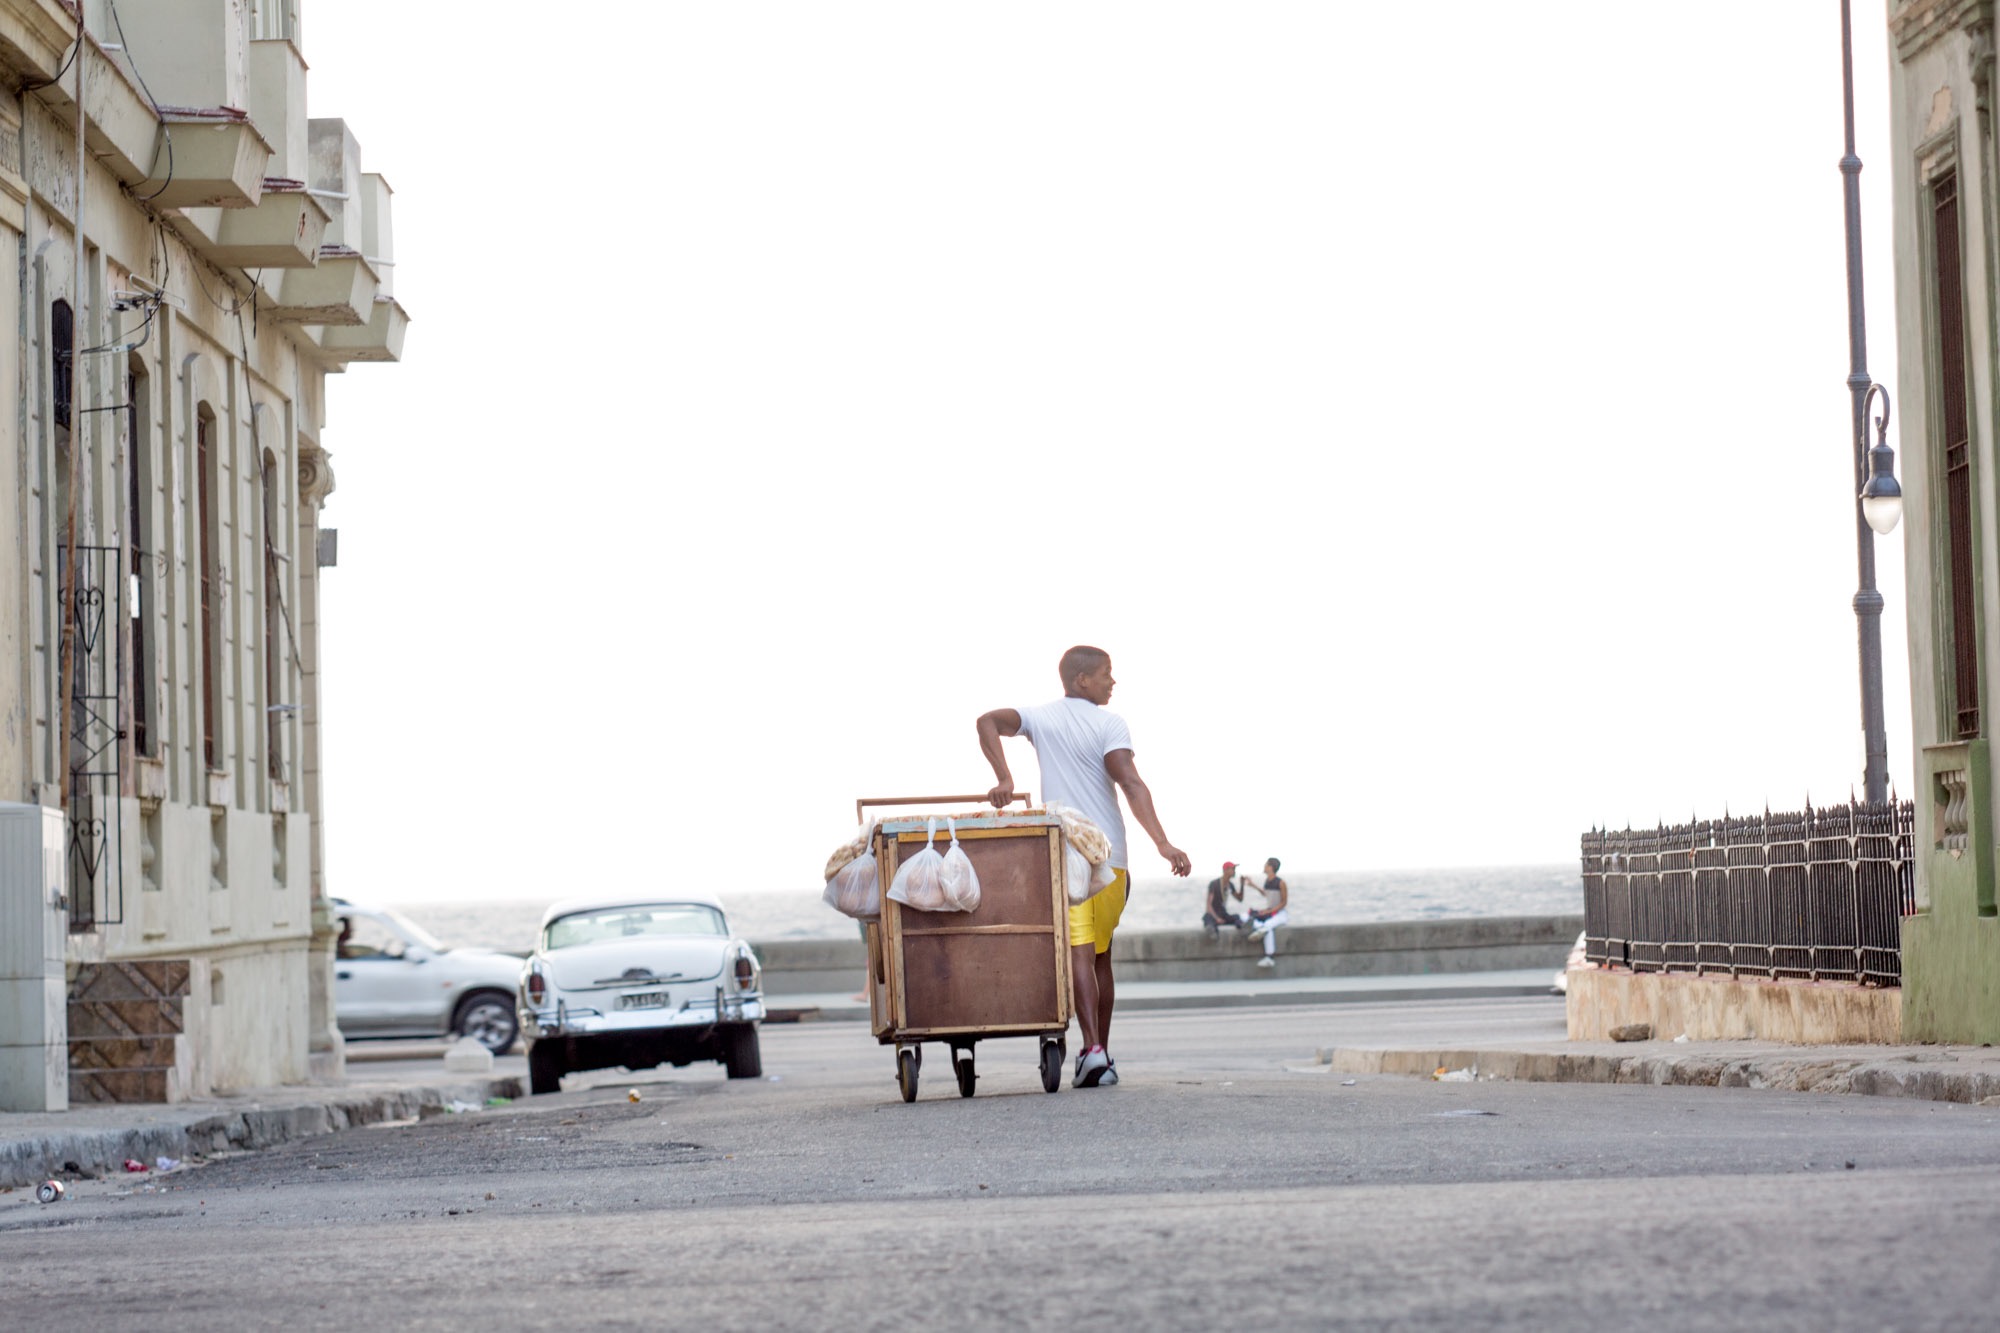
{"points": [[1438, 413]]}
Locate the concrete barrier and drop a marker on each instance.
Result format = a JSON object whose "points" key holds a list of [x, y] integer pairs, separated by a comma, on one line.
{"points": [[1369, 949], [1722, 1008]]}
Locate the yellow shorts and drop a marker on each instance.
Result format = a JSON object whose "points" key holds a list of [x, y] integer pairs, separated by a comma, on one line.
{"points": [[1092, 920]]}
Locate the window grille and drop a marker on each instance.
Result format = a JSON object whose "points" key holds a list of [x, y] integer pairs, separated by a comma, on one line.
{"points": [[1955, 420]]}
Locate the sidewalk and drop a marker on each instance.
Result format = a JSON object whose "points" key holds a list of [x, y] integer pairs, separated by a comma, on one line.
{"points": [[97, 1140], [1275, 990], [1932, 1073]]}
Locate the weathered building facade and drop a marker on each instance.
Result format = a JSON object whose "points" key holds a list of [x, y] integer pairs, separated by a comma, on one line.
{"points": [[163, 373], [1946, 185]]}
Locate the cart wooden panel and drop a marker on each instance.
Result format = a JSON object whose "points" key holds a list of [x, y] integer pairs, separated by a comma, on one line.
{"points": [[1002, 970]]}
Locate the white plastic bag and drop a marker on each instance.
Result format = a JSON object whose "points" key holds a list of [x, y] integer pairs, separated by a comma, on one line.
{"points": [[1085, 881], [918, 881], [1081, 833], [853, 880], [958, 879], [858, 845], [856, 890], [1087, 869]]}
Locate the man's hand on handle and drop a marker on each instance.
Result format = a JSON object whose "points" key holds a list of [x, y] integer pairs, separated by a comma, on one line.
{"points": [[1002, 795]]}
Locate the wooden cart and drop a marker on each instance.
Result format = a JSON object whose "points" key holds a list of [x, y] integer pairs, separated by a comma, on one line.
{"points": [[960, 977]]}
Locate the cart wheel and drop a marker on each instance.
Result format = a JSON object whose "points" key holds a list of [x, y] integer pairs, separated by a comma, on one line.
{"points": [[962, 1064], [1052, 1063], [906, 1074]]}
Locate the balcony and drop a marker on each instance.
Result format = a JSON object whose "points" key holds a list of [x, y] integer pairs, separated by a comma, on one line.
{"points": [[207, 159], [339, 290], [285, 229], [380, 339]]}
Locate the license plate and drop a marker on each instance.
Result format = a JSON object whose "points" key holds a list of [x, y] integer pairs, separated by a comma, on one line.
{"points": [[645, 999]]}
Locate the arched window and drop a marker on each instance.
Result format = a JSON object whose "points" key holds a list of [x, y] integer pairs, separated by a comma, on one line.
{"points": [[62, 346], [138, 541], [211, 581], [274, 652], [62, 360]]}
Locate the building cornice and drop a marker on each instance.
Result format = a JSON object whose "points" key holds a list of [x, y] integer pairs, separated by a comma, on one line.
{"points": [[34, 34], [1915, 25]]}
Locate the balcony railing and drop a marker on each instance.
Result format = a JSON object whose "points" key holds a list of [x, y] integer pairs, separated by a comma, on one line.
{"points": [[1817, 894]]}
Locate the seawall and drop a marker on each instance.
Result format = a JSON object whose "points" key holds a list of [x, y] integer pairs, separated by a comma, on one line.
{"points": [[1369, 949]]}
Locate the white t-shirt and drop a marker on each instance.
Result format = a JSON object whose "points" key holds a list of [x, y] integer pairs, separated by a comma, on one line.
{"points": [[1071, 737]]}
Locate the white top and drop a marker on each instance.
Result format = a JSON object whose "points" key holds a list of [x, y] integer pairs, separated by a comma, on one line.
{"points": [[1071, 737]]}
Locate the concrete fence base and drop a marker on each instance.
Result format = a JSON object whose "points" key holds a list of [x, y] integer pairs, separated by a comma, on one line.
{"points": [[1721, 1008], [1374, 949]]}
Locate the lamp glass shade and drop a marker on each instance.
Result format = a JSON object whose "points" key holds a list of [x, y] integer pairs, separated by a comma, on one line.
{"points": [[1883, 512]]}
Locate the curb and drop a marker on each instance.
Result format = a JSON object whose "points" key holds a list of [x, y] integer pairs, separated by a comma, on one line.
{"points": [[776, 1011], [1927, 1076], [94, 1152]]}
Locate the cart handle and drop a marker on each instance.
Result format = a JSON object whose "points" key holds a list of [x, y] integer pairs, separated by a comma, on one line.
{"points": [[1026, 798]]}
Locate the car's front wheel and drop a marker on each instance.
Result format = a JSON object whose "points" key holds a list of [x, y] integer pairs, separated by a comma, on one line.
{"points": [[545, 1067], [741, 1055], [488, 1018]]}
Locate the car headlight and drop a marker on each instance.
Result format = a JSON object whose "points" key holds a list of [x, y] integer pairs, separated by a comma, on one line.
{"points": [[537, 985]]}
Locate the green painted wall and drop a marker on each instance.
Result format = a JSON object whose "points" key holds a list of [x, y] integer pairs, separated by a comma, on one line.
{"points": [[1951, 949]]}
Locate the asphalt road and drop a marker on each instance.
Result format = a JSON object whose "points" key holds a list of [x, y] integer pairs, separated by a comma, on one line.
{"points": [[1224, 1183]]}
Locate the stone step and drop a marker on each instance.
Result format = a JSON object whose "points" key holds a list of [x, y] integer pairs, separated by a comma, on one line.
{"points": [[121, 1053], [124, 1018], [152, 979], [117, 1085]]}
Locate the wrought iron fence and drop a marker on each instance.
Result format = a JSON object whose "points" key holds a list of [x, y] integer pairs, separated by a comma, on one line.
{"points": [[1816, 894]]}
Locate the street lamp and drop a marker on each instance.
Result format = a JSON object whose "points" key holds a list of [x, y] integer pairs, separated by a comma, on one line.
{"points": [[1881, 497], [1880, 502]]}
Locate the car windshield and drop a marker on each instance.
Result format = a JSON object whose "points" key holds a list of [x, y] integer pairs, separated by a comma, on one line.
{"points": [[611, 923], [413, 932]]}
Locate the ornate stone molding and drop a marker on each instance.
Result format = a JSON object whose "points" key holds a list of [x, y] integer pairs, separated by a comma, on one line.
{"points": [[315, 475]]}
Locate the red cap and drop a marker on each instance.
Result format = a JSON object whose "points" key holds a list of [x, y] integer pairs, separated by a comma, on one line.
{"points": [[1229, 865]]}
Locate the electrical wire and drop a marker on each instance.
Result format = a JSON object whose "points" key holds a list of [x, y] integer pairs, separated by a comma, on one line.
{"points": [[121, 344], [68, 60], [166, 132]]}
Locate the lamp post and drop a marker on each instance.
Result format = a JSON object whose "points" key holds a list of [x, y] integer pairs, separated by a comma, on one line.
{"points": [[1879, 502]]}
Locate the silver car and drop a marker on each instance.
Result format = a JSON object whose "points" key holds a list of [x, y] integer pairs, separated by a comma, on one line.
{"points": [[392, 978], [639, 982]]}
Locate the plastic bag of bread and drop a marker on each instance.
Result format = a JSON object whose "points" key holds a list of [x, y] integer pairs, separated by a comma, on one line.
{"points": [[919, 881], [856, 889], [1082, 880], [1087, 869], [957, 878]]}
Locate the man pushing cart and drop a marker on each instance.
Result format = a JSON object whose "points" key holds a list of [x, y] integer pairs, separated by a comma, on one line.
{"points": [[1085, 752]]}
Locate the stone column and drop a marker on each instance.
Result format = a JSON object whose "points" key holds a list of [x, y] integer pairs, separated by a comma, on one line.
{"points": [[325, 1050]]}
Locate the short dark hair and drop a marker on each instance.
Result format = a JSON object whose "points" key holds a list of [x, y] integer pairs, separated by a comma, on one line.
{"points": [[1272, 862], [1079, 661]]}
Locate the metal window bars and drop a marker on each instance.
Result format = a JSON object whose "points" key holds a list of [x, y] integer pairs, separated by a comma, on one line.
{"points": [[96, 732], [1816, 894]]}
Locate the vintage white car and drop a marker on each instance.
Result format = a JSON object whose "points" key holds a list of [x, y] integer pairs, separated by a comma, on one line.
{"points": [[639, 982]]}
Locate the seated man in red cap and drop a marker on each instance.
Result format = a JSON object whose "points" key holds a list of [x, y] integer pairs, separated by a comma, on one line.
{"points": [[1220, 891]]}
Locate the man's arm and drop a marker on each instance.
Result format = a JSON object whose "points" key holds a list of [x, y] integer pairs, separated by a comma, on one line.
{"points": [[1125, 772], [992, 726]]}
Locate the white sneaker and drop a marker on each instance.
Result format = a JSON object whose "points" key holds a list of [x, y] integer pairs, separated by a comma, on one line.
{"points": [[1090, 1067], [1267, 962]]}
